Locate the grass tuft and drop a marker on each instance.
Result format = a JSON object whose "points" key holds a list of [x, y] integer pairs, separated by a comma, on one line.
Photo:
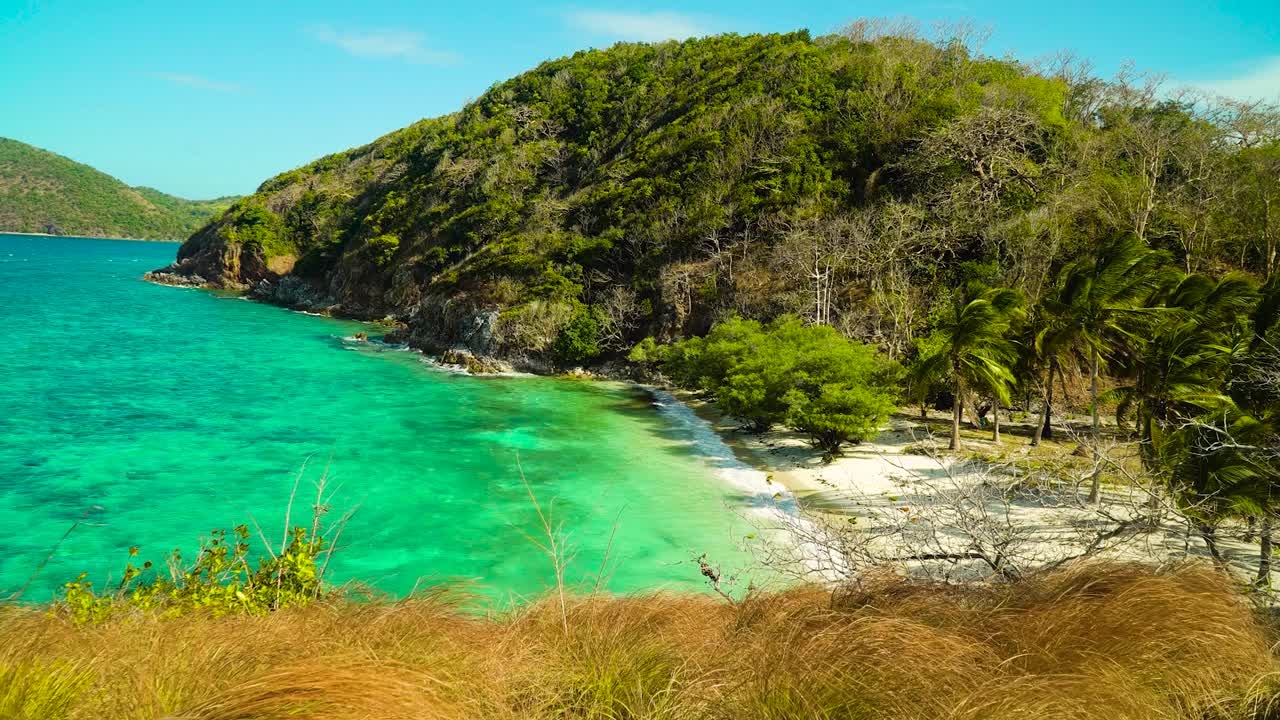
{"points": [[1101, 641]]}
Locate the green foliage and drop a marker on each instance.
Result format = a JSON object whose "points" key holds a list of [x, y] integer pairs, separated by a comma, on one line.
{"points": [[580, 341], [833, 389], [383, 248], [972, 348], [251, 223], [222, 580], [47, 193], [646, 352], [836, 413]]}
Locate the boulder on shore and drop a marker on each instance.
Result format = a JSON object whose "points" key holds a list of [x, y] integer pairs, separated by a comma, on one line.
{"points": [[472, 363]]}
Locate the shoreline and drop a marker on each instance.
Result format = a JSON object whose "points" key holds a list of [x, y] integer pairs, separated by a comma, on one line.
{"points": [[877, 476], [88, 237], [755, 452], [780, 474], [789, 460]]}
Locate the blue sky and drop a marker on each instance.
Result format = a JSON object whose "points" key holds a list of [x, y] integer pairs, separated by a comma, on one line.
{"points": [[211, 99]]}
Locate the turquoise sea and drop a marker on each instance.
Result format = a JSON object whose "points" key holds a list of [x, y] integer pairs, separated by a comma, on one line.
{"points": [[159, 414]]}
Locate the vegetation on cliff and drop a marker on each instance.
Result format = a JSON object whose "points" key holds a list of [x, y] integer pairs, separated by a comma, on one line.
{"points": [[652, 189], [41, 192]]}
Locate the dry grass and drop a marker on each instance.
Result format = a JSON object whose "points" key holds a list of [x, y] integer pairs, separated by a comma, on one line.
{"points": [[1105, 641]]}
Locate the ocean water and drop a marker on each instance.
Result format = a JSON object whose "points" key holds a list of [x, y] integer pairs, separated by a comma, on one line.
{"points": [[152, 415]]}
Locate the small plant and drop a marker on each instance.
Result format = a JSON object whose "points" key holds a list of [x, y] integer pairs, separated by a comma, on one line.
{"points": [[223, 579]]}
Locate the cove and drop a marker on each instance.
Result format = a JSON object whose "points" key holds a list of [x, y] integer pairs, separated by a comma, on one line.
{"points": [[159, 414]]}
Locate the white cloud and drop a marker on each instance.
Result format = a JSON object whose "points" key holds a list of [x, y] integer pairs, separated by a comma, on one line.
{"points": [[1259, 82], [195, 81], [646, 27], [391, 44]]}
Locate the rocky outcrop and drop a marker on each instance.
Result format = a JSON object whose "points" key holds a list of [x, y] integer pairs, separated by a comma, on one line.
{"points": [[294, 292], [466, 360], [440, 323], [176, 279], [209, 261]]}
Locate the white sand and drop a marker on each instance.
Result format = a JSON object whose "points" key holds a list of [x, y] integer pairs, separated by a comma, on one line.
{"points": [[875, 479]]}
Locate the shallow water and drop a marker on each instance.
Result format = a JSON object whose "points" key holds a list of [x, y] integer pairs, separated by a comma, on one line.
{"points": [[159, 414]]}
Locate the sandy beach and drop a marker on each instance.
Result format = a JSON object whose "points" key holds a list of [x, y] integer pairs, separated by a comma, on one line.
{"points": [[904, 480]]}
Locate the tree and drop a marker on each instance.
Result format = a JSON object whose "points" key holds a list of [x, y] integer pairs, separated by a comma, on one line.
{"points": [[1042, 355], [814, 252], [1095, 307], [810, 376], [1176, 371], [833, 414], [973, 347]]}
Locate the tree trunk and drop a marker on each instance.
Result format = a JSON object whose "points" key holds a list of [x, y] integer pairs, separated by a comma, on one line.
{"points": [[1209, 535], [995, 413], [1264, 553], [957, 409], [1046, 428], [1096, 481]]}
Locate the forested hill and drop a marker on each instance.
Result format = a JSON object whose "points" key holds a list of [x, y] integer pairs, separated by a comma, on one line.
{"points": [[44, 192], [652, 189]]}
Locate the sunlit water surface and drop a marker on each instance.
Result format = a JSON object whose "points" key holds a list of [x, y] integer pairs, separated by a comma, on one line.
{"points": [[158, 414]]}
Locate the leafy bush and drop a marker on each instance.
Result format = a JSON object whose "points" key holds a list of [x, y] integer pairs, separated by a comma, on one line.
{"points": [[809, 376], [222, 580], [579, 340], [839, 413], [250, 222]]}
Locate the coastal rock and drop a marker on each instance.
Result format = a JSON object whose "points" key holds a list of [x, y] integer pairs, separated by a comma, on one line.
{"points": [[471, 363], [293, 292], [208, 260], [442, 323], [167, 276]]}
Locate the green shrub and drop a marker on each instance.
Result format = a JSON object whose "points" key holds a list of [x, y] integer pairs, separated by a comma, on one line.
{"points": [[839, 413], [534, 326], [250, 222], [809, 376], [580, 339]]}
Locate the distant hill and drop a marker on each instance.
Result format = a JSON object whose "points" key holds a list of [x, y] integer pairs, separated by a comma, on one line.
{"points": [[44, 192]]}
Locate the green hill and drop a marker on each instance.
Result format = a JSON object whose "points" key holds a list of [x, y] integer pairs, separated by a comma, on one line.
{"points": [[650, 189], [44, 192]]}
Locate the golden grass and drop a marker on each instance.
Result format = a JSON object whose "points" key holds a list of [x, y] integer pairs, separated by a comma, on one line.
{"points": [[1102, 641]]}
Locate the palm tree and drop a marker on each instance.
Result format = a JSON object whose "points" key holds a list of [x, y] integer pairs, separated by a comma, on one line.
{"points": [[1220, 451], [1176, 372], [1225, 465], [973, 348], [1094, 309], [1042, 358]]}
